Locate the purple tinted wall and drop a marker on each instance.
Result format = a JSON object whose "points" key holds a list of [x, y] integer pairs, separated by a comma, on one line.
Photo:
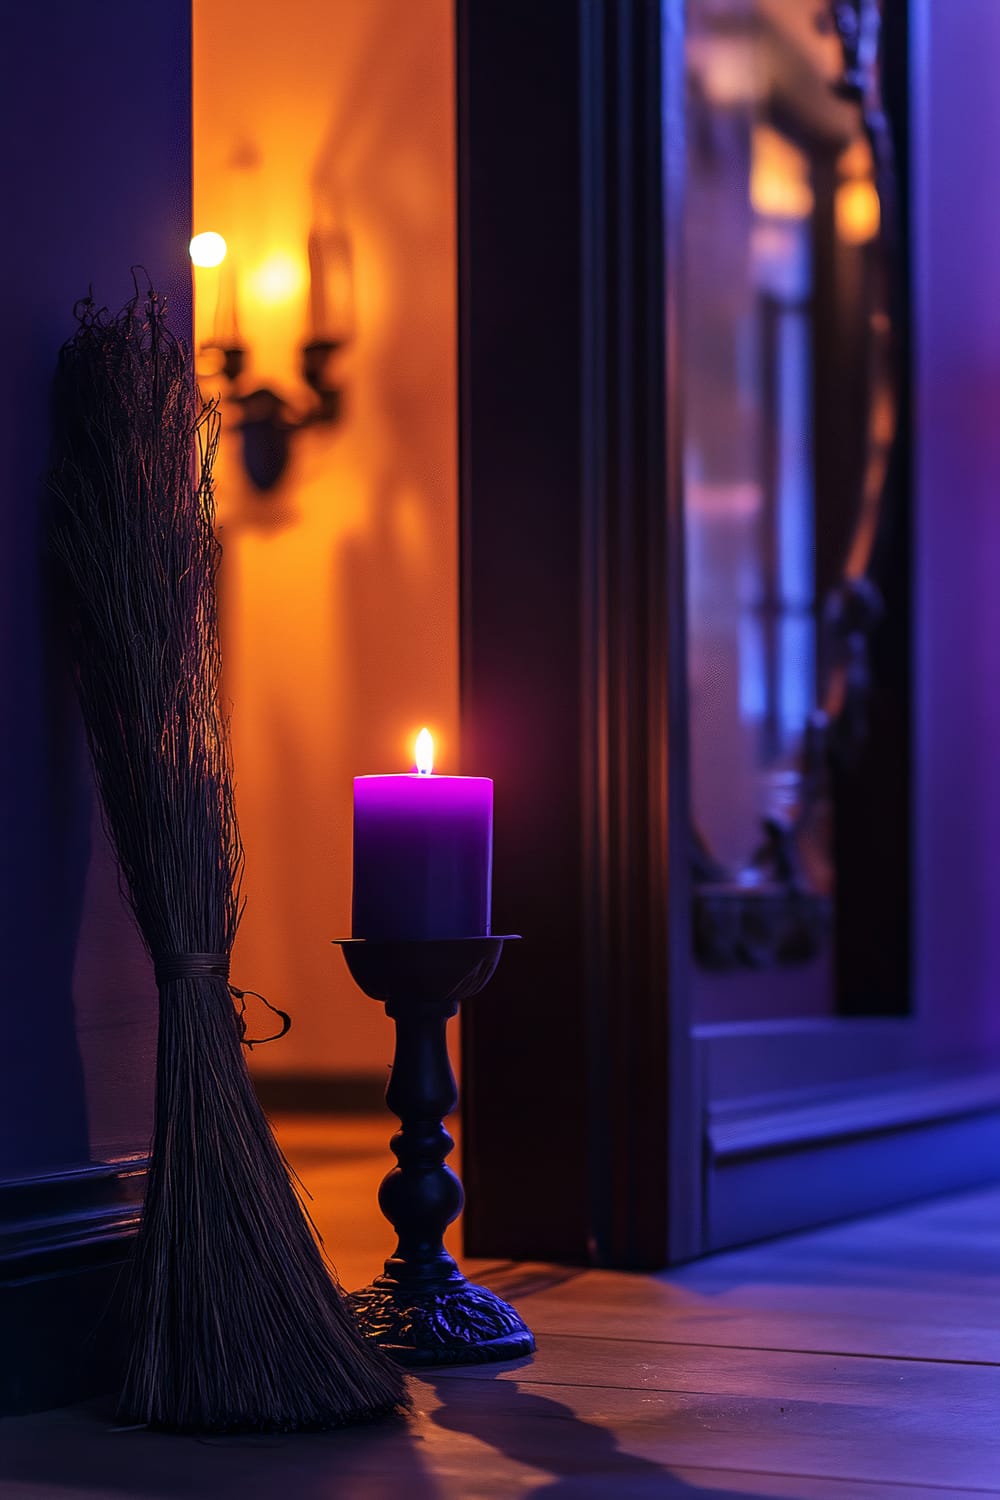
{"points": [[95, 120], [956, 140]]}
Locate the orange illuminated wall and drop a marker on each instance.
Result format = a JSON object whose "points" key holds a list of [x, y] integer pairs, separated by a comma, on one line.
{"points": [[339, 590]]}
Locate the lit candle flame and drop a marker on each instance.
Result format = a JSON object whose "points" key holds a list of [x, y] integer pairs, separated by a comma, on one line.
{"points": [[425, 752]]}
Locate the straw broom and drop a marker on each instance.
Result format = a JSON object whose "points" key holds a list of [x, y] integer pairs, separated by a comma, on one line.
{"points": [[236, 1322]]}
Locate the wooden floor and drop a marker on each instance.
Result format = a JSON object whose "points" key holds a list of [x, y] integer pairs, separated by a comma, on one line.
{"points": [[860, 1362]]}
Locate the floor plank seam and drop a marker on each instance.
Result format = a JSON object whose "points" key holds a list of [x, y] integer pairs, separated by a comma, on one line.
{"points": [[533, 1286], [743, 1472], [914, 1359]]}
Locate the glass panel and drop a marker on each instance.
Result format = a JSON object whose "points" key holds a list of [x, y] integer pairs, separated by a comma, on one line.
{"points": [[780, 205]]}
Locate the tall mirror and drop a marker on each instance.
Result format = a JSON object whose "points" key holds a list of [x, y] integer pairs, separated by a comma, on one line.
{"points": [[789, 420]]}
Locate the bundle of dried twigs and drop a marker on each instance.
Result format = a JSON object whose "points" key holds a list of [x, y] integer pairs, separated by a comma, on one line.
{"points": [[237, 1324]]}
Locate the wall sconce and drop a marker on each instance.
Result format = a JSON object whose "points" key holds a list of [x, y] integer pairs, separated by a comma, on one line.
{"points": [[268, 422]]}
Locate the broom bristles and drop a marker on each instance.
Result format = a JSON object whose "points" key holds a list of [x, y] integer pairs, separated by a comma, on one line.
{"points": [[275, 1348], [237, 1324]]}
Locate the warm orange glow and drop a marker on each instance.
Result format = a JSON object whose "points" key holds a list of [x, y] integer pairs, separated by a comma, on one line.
{"points": [[779, 177], [425, 752], [857, 212], [279, 278], [856, 160], [207, 249]]}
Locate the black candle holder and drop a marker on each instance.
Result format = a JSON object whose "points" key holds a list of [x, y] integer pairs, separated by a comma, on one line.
{"points": [[422, 1310]]}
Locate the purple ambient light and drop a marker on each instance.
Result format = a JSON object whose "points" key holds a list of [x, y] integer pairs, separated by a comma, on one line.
{"points": [[423, 854]]}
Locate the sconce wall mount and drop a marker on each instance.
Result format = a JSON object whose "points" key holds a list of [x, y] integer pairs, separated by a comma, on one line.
{"points": [[267, 421]]}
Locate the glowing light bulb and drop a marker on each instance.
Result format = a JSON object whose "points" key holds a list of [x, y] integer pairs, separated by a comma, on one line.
{"points": [[277, 279], [857, 211], [208, 249], [425, 752]]}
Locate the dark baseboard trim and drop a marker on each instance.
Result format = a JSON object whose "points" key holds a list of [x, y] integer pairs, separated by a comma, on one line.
{"points": [[68, 1217], [65, 1243], [824, 1115], [837, 1154], [321, 1093]]}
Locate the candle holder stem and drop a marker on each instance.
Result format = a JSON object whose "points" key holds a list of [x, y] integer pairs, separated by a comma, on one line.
{"points": [[421, 1196], [422, 1310]]}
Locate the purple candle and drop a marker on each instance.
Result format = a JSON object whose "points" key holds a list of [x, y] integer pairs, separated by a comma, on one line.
{"points": [[423, 853]]}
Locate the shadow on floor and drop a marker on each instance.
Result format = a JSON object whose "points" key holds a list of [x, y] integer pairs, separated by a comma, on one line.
{"points": [[79, 1449], [583, 1458]]}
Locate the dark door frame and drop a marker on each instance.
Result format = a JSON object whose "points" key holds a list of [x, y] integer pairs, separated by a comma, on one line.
{"points": [[580, 1100]]}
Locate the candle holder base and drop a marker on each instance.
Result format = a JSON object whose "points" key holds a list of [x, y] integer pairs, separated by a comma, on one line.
{"points": [[423, 1311], [458, 1323]]}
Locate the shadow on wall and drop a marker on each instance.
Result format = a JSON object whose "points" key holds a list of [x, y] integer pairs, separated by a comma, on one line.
{"points": [[80, 1007], [46, 846], [102, 179]]}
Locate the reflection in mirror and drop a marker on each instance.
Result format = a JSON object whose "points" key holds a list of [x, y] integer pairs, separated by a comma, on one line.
{"points": [[782, 292]]}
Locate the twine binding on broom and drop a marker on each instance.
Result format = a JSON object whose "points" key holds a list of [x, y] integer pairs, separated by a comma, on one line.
{"points": [[237, 1324], [190, 966], [172, 966]]}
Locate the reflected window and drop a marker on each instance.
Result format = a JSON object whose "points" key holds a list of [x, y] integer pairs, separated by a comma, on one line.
{"points": [[780, 204]]}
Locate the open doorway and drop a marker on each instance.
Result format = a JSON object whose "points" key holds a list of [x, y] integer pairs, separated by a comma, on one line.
{"points": [[324, 148]]}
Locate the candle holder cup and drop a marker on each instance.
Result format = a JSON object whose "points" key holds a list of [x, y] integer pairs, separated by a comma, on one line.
{"points": [[422, 1310]]}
